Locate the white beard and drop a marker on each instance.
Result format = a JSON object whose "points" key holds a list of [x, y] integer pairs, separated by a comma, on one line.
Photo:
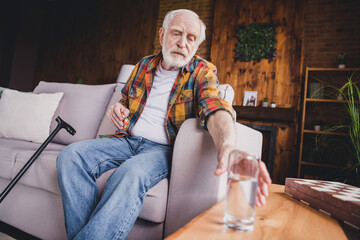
{"points": [[176, 61]]}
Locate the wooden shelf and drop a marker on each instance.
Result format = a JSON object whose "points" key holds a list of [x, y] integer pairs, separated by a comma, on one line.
{"points": [[325, 132], [266, 114], [331, 78], [322, 165], [327, 100], [334, 69]]}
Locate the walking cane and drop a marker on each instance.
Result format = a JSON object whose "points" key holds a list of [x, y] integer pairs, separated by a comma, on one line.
{"points": [[61, 124]]}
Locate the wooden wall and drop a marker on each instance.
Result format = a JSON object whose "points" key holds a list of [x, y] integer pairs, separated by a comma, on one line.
{"points": [[332, 27], [279, 80], [92, 39], [205, 10]]}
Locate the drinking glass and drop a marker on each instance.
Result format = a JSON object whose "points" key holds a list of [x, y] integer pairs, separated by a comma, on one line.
{"points": [[242, 180]]}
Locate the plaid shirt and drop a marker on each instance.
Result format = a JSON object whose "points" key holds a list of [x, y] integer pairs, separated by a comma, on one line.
{"points": [[194, 94]]}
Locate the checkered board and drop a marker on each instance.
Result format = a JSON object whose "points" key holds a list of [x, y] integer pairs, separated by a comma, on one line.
{"points": [[336, 199]]}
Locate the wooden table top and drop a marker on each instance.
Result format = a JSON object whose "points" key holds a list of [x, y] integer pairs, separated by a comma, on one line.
{"points": [[281, 218]]}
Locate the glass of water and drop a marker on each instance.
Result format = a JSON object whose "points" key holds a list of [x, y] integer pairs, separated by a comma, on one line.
{"points": [[241, 192]]}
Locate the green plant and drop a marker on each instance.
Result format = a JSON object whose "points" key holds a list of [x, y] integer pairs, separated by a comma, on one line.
{"points": [[318, 122], [350, 92], [255, 42], [341, 58], [80, 80]]}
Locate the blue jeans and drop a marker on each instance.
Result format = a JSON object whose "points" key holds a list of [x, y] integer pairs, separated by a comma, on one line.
{"points": [[139, 163]]}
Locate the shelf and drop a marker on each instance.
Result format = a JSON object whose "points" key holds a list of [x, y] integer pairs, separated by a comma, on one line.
{"points": [[327, 100], [325, 132], [334, 69], [322, 165], [266, 114], [329, 109]]}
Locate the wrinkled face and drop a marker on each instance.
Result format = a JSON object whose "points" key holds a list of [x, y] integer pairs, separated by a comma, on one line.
{"points": [[180, 41]]}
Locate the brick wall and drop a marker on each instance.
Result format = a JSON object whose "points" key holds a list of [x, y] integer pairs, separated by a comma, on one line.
{"points": [[204, 8], [332, 27]]}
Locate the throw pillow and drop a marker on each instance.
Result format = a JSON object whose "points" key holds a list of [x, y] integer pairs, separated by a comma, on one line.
{"points": [[106, 127], [27, 116], [83, 107]]}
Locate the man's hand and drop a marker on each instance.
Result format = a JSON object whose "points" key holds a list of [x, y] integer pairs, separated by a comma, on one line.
{"points": [[263, 179], [222, 130], [117, 114]]}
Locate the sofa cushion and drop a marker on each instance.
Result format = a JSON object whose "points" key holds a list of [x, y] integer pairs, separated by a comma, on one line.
{"points": [[227, 92], [125, 72], [42, 173], [82, 106], [106, 127], [39, 110], [10, 149]]}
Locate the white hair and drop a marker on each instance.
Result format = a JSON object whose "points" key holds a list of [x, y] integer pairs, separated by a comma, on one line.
{"points": [[170, 16]]}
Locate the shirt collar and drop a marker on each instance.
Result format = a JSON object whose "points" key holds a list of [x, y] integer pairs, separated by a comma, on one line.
{"points": [[190, 67]]}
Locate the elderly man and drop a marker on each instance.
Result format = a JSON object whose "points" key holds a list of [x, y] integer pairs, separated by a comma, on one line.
{"points": [[162, 92]]}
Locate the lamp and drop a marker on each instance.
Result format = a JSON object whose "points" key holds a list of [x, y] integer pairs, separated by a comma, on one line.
{"points": [[124, 73]]}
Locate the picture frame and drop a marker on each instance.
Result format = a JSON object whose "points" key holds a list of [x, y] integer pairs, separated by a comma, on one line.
{"points": [[250, 98]]}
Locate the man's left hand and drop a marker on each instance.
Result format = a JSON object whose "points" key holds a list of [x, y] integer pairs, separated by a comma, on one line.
{"points": [[263, 179]]}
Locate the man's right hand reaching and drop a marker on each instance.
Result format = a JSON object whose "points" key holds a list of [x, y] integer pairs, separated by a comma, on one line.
{"points": [[117, 113]]}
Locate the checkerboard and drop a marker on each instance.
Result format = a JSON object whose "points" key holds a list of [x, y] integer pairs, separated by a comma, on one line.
{"points": [[338, 200]]}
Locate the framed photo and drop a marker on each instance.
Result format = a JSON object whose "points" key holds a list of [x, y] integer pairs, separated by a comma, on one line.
{"points": [[250, 98]]}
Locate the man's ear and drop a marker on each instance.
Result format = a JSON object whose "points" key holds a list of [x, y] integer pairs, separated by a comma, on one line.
{"points": [[161, 35]]}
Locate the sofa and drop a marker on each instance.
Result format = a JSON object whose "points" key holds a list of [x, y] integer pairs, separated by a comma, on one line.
{"points": [[33, 209]]}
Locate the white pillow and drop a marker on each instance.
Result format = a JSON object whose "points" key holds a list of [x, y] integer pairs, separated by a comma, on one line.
{"points": [[27, 116]]}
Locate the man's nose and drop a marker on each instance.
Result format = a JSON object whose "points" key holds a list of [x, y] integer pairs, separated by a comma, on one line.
{"points": [[182, 42]]}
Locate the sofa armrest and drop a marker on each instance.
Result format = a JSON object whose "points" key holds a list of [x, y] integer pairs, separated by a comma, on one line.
{"points": [[193, 187]]}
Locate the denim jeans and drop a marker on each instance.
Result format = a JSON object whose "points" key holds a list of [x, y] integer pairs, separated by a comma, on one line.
{"points": [[139, 163]]}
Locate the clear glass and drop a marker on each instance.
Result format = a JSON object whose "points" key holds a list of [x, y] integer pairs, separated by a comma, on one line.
{"points": [[241, 192]]}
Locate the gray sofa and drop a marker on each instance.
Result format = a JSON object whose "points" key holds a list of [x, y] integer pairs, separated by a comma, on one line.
{"points": [[34, 205]]}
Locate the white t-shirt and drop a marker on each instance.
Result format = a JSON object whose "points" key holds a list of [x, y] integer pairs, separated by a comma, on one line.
{"points": [[151, 124]]}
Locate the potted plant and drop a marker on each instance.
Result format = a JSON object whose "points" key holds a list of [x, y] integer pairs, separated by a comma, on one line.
{"points": [[317, 124], [350, 92], [265, 102], [341, 60]]}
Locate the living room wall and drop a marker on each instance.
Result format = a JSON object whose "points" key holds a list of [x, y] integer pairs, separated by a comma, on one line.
{"points": [[332, 27], [92, 39], [205, 10]]}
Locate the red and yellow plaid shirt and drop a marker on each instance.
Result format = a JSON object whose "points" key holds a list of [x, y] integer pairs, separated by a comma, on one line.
{"points": [[194, 94]]}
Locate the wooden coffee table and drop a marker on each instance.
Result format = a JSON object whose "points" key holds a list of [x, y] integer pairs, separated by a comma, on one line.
{"points": [[281, 218]]}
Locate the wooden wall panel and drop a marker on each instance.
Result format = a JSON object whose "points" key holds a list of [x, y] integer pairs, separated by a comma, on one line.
{"points": [[279, 80], [332, 27], [205, 10], [92, 39]]}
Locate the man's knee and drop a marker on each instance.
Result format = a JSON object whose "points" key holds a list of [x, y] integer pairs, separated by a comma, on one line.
{"points": [[68, 156]]}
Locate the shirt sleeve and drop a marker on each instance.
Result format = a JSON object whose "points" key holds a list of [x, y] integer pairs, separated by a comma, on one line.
{"points": [[209, 96], [125, 90]]}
